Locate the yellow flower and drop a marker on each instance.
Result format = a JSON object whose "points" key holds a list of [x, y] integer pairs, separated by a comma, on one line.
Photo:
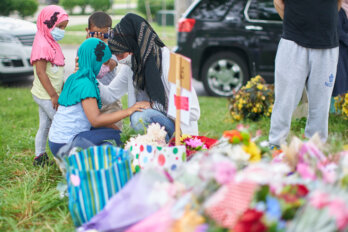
{"points": [[184, 136], [259, 86], [189, 221], [253, 151], [270, 108], [237, 117]]}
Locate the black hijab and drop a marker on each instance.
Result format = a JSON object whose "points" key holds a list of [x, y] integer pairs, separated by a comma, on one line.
{"points": [[134, 34]]}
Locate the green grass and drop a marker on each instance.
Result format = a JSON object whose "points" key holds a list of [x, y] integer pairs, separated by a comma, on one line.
{"points": [[29, 200]]}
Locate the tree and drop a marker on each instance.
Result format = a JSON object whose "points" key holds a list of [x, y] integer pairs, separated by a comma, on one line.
{"points": [[100, 5], [155, 5], [70, 4], [26, 7], [6, 7], [23, 7]]}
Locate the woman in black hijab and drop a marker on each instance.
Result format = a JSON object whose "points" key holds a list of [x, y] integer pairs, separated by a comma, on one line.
{"points": [[137, 45]]}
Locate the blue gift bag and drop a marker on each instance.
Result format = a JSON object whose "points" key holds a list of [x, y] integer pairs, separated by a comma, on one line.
{"points": [[94, 175]]}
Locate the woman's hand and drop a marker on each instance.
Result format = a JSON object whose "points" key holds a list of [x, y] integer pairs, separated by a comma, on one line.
{"points": [[139, 106]]}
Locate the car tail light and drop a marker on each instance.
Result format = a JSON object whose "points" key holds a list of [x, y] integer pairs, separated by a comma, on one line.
{"points": [[186, 25]]}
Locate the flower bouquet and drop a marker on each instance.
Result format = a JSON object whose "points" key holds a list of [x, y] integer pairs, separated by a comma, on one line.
{"points": [[325, 211], [155, 135], [194, 143], [311, 160], [238, 145], [270, 211], [252, 101]]}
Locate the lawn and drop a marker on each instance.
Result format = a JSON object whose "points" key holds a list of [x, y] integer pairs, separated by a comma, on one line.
{"points": [[29, 200]]}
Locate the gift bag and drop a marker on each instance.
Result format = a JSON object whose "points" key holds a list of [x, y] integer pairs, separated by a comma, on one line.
{"points": [[93, 176], [169, 158]]}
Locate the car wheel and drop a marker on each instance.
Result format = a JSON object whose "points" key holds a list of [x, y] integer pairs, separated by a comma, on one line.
{"points": [[223, 73]]}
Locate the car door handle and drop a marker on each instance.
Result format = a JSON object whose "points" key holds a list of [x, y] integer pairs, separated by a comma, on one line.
{"points": [[254, 28]]}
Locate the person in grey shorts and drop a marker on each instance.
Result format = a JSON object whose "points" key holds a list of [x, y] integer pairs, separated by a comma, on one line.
{"points": [[306, 58]]}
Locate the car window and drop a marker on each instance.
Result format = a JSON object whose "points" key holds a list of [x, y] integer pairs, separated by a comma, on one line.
{"points": [[263, 10], [210, 10], [235, 11]]}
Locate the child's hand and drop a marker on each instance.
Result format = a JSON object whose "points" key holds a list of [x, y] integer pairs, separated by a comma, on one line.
{"points": [[112, 64], [54, 100], [76, 64], [98, 35]]}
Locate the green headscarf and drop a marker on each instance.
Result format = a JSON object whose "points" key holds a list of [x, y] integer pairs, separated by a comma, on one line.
{"points": [[83, 84]]}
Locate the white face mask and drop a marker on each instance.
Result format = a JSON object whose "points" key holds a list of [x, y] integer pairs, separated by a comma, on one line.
{"points": [[57, 34], [126, 61]]}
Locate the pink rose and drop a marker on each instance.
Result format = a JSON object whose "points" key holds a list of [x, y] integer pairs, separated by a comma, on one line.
{"points": [[319, 200], [305, 171], [339, 210]]}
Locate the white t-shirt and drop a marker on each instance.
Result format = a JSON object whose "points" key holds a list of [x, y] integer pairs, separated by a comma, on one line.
{"points": [[123, 83]]}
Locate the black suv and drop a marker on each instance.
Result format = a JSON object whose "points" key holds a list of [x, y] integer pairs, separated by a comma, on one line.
{"points": [[229, 41]]}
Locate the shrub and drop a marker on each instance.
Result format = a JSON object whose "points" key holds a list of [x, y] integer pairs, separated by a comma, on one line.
{"points": [[341, 105], [26, 7], [100, 5], [252, 101], [70, 4], [23, 7], [155, 5], [6, 7]]}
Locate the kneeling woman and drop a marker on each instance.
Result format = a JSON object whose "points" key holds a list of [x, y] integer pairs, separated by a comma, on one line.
{"points": [[144, 75], [79, 104]]}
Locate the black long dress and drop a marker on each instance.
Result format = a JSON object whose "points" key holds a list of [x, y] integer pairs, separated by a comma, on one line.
{"points": [[341, 83]]}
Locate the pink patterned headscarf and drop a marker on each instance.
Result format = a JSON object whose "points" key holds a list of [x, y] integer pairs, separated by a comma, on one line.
{"points": [[44, 46]]}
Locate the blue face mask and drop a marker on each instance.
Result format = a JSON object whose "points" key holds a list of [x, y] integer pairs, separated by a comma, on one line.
{"points": [[57, 34]]}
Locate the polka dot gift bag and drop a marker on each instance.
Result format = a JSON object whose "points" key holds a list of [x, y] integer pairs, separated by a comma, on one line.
{"points": [[168, 158]]}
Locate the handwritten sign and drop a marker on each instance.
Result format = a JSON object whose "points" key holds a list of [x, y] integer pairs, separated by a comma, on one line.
{"points": [[180, 76]]}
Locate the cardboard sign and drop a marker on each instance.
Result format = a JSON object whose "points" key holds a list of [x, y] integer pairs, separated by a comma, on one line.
{"points": [[184, 107], [185, 71]]}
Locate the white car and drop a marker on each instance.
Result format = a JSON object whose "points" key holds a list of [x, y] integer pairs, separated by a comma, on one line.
{"points": [[16, 40]]}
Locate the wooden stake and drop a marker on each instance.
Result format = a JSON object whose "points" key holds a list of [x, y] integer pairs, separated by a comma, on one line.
{"points": [[178, 94]]}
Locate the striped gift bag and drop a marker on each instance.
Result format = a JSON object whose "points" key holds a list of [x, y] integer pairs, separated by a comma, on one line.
{"points": [[94, 175]]}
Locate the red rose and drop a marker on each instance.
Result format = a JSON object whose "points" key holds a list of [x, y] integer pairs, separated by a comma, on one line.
{"points": [[250, 221], [251, 215], [302, 190]]}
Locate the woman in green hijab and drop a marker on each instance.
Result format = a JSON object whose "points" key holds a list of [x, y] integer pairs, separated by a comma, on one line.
{"points": [[79, 113]]}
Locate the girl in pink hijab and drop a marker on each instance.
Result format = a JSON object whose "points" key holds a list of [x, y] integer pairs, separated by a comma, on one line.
{"points": [[48, 61]]}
